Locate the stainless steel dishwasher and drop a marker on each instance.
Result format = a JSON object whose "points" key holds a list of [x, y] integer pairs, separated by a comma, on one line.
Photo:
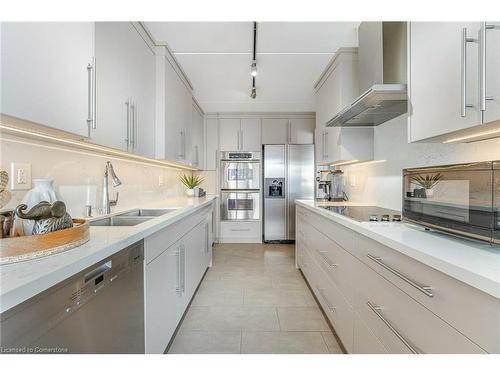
{"points": [[99, 310]]}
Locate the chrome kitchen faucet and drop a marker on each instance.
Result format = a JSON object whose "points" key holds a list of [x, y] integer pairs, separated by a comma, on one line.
{"points": [[106, 202]]}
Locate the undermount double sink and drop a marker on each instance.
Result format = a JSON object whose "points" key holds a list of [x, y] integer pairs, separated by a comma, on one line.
{"points": [[131, 218]]}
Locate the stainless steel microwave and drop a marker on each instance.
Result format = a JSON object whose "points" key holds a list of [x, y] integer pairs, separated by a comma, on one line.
{"points": [[462, 199]]}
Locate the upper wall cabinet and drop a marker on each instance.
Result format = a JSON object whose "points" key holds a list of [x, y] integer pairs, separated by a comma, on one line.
{"points": [[195, 143], [288, 131], [125, 89], [454, 78], [240, 134], [211, 143], [47, 72], [336, 89], [178, 115]]}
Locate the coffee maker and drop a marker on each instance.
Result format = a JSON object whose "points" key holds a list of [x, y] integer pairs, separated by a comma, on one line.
{"points": [[331, 185]]}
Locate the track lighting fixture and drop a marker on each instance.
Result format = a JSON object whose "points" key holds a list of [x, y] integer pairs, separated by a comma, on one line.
{"points": [[253, 69]]}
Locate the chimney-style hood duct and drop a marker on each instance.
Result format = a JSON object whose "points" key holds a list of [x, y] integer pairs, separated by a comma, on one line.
{"points": [[382, 76]]}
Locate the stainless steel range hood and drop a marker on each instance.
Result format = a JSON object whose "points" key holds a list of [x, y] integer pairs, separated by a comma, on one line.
{"points": [[382, 76]]}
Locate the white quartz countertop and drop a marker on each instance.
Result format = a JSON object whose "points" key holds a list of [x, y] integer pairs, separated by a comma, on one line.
{"points": [[472, 262], [21, 281]]}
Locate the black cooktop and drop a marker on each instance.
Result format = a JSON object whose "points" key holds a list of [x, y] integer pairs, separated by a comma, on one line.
{"points": [[365, 213]]}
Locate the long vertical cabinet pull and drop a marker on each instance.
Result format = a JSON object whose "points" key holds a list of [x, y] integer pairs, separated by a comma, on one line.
{"points": [[207, 238], [91, 97], [178, 288], [132, 126], [94, 94], [482, 64], [463, 85], [289, 132], [181, 146], [127, 140], [183, 268]]}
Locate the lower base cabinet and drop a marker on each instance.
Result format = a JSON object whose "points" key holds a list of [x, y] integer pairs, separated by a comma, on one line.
{"points": [[171, 278], [369, 312]]}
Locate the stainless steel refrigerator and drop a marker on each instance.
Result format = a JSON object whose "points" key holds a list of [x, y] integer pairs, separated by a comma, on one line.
{"points": [[288, 176]]}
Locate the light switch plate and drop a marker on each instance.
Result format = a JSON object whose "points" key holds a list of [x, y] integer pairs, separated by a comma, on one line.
{"points": [[20, 176]]}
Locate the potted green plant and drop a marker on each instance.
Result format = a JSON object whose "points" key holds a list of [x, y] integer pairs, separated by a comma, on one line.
{"points": [[427, 182], [191, 182]]}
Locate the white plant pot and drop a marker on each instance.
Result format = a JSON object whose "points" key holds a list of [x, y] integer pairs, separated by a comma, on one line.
{"points": [[190, 192], [429, 193]]}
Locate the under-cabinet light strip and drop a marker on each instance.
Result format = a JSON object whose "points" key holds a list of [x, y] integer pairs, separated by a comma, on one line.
{"points": [[95, 148], [471, 138]]}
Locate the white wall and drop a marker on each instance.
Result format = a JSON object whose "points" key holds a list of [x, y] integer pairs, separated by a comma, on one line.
{"points": [[74, 172], [380, 184]]}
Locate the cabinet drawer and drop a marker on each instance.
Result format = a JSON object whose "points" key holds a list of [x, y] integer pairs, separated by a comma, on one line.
{"points": [[337, 309], [343, 236], [472, 312], [240, 231], [158, 242], [399, 322], [335, 262], [365, 341]]}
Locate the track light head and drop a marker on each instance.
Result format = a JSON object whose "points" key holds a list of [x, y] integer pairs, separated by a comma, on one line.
{"points": [[253, 95], [253, 69]]}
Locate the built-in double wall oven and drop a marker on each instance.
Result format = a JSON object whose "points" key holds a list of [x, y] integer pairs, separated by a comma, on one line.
{"points": [[463, 199], [240, 185]]}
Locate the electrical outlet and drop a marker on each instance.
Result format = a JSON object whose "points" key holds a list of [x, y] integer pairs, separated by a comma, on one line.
{"points": [[160, 181], [20, 176]]}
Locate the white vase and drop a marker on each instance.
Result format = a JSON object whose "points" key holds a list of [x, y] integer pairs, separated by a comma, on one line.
{"points": [[42, 191], [190, 192], [429, 193]]}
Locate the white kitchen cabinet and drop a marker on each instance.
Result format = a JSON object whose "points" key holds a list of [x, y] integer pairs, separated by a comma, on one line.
{"points": [[240, 134], [163, 298], [178, 114], [275, 131], [113, 84], [142, 84], [44, 73], [229, 133], [288, 131], [435, 78], [492, 65], [251, 134], [336, 88], [125, 77], [173, 274], [301, 131], [195, 143], [390, 314], [211, 144]]}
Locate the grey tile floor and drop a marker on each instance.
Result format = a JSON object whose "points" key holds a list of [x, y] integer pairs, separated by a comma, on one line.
{"points": [[254, 300]]}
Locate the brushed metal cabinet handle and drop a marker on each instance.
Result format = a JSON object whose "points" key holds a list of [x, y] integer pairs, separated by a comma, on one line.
{"points": [[377, 310], [326, 259], [94, 94], [424, 289], [178, 255], [89, 96], [127, 140], [328, 304], [463, 82]]}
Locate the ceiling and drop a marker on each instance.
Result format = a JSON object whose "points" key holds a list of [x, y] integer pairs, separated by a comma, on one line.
{"points": [[216, 56]]}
